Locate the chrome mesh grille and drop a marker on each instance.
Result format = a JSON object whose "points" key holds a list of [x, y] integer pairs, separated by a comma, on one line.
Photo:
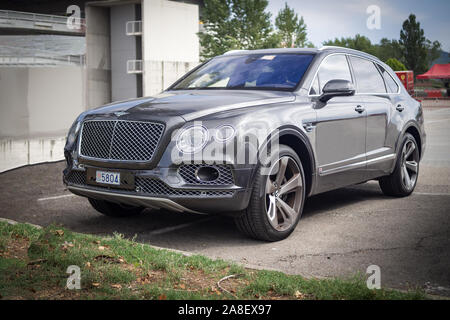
{"points": [[120, 140], [187, 172], [149, 186], [157, 187], [76, 177]]}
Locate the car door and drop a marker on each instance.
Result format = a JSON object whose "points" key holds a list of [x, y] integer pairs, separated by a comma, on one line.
{"points": [[372, 89], [340, 129]]}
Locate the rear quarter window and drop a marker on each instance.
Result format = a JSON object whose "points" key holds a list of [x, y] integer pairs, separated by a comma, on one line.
{"points": [[368, 78], [391, 85]]}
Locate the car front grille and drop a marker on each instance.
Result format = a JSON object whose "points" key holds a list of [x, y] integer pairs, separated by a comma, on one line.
{"points": [[149, 186], [157, 187], [120, 140], [76, 177]]}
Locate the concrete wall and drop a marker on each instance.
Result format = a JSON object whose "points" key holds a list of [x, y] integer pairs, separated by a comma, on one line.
{"points": [[123, 48], [55, 99], [13, 102], [37, 107], [159, 75], [19, 152], [170, 36], [98, 56], [39, 101]]}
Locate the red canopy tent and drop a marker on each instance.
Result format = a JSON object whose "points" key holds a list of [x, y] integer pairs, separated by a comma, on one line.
{"points": [[438, 71]]}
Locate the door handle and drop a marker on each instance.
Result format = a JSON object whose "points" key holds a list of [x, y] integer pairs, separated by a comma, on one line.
{"points": [[400, 108], [359, 109]]}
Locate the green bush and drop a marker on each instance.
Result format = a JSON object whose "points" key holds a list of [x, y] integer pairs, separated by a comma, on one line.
{"points": [[395, 64]]}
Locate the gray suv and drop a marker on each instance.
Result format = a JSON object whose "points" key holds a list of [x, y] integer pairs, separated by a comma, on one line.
{"points": [[251, 134]]}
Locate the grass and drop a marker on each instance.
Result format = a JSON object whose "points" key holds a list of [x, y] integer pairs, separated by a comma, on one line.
{"points": [[33, 265]]}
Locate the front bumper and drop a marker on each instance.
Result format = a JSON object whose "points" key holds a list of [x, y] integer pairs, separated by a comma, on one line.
{"points": [[166, 188]]}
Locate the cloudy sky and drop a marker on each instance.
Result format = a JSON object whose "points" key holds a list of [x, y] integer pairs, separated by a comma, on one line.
{"points": [[328, 19]]}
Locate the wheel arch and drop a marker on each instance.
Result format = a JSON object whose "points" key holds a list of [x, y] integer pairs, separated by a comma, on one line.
{"points": [[413, 129], [299, 142]]}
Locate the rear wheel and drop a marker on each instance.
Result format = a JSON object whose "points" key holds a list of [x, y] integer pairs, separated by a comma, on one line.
{"points": [[277, 199], [112, 209], [403, 180]]}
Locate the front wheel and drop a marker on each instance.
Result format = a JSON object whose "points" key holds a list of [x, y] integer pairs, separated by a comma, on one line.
{"points": [[112, 209], [277, 198], [403, 180]]}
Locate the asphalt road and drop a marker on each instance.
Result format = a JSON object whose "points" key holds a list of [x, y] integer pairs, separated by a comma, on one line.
{"points": [[341, 232]]}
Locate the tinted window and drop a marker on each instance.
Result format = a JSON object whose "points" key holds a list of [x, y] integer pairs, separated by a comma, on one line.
{"points": [[391, 85], [264, 71], [368, 78], [332, 68]]}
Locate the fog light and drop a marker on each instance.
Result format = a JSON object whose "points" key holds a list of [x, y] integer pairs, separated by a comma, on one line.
{"points": [[207, 174]]}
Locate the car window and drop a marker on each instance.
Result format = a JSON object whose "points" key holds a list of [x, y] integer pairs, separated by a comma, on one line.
{"points": [[250, 71], [334, 67], [315, 88], [391, 85], [368, 78]]}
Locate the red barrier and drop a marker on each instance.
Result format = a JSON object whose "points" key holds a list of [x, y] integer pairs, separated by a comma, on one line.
{"points": [[433, 93]]}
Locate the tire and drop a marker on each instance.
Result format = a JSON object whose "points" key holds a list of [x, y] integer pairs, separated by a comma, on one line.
{"points": [[397, 184], [112, 209], [255, 222]]}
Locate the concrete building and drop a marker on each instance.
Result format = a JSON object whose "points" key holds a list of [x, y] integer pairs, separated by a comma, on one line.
{"points": [[138, 48], [133, 48]]}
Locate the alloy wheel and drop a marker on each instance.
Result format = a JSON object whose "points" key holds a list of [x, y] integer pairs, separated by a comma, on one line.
{"points": [[284, 193], [410, 164]]}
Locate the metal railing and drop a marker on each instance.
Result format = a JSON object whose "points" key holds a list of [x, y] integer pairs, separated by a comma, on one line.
{"points": [[37, 19], [133, 28], [42, 60]]}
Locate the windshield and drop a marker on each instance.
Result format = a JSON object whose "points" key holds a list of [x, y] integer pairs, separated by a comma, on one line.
{"points": [[256, 71]]}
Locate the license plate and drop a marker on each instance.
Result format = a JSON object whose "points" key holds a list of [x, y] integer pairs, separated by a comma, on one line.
{"points": [[106, 177]]}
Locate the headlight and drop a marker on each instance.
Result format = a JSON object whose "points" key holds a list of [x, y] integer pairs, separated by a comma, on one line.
{"points": [[73, 132], [224, 133], [192, 139]]}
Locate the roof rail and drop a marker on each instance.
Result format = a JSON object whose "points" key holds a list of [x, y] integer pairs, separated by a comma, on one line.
{"points": [[349, 49], [234, 51]]}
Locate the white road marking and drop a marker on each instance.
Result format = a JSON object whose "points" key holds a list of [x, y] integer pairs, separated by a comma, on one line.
{"points": [[177, 227], [56, 197], [431, 194], [434, 121]]}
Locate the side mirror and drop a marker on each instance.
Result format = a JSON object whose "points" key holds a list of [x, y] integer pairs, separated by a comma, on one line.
{"points": [[337, 88]]}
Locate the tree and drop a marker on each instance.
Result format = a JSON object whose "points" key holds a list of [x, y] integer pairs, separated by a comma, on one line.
{"points": [[235, 24], [395, 64], [433, 51], [359, 42], [389, 49], [217, 36], [291, 29], [414, 45]]}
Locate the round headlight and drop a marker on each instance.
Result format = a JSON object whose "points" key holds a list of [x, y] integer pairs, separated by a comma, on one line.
{"points": [[224, 133], [192, 139]]}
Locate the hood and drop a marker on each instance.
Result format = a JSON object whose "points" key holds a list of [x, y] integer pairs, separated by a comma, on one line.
{"points": [[191, 104]]}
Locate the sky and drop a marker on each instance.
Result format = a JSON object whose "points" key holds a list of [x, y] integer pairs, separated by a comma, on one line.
{"points": [[328, 19]]}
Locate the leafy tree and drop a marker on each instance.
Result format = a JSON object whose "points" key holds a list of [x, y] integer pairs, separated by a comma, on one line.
{"points": [[433, 51], [395, 64], [235, 24], [291, 29], [414, 45], [359, 42], [387, 49]]}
